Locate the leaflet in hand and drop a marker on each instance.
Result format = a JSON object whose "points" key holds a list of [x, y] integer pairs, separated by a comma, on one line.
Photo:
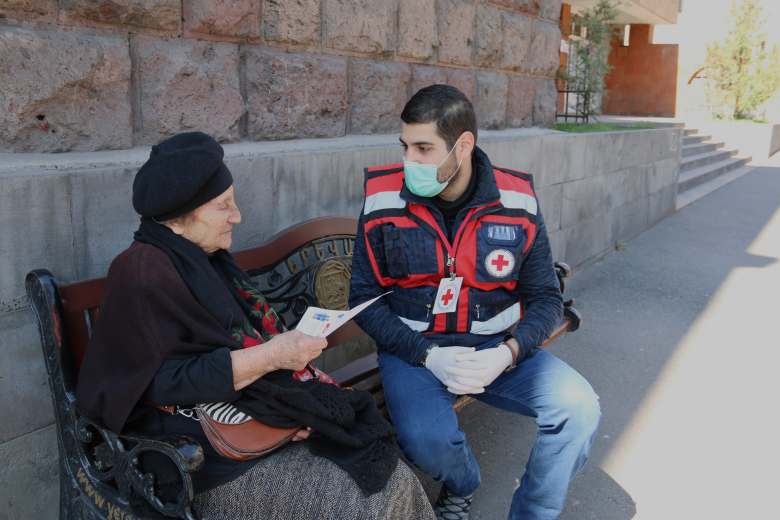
{"points": [[321, 323]]}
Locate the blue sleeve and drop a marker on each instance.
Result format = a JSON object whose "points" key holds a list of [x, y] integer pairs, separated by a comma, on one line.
{"points": [[539, 292], [378, 321], [206, 378]]}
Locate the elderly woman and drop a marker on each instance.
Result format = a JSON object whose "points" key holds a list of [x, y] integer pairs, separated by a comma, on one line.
{"points": [[181, 324]]}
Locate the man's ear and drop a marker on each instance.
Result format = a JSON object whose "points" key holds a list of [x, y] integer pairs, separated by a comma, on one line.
{"points": [[466, 144]]}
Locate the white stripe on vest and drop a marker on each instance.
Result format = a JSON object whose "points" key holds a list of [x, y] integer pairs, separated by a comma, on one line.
{"points": [[498, 323], [383, 200], [517, 200], [418, 326]]}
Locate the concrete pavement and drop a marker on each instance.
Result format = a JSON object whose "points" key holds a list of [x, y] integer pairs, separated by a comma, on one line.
{"points": [[681, 342]]}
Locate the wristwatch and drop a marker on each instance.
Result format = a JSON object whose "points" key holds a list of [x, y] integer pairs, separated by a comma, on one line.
{"points": [[428, 351]]}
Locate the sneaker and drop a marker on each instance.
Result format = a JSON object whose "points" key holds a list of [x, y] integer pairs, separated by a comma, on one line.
{"points": [[452, 507]]}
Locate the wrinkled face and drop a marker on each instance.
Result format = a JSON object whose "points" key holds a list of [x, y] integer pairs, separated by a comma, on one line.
{"points": [[421, 143], [210, 226]]}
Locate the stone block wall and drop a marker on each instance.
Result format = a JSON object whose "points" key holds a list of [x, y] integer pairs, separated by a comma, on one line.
{"points": [[597, 190], [84, 75]]}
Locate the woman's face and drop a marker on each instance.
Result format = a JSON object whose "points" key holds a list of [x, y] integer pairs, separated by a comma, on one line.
{"points": [[210, 226]]}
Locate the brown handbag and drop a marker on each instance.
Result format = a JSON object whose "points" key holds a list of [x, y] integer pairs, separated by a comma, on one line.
{"points": [[246, 440], [234, 434]]}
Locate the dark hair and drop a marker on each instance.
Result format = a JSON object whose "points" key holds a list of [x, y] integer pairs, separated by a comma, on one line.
{"points": [[447, 107]]}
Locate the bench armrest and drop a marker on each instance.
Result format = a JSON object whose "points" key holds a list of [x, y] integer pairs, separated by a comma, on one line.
{"points": [[114, 460]]}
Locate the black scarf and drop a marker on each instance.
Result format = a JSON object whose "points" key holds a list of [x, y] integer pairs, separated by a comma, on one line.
{"points": [[348, 428], [207, 276]]}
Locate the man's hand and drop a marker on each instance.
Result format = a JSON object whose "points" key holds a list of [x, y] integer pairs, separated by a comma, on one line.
{"points": [[440, 359], [479, 369]]}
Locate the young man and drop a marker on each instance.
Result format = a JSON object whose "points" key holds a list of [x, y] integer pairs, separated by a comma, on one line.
{"points": [[462, 245]]}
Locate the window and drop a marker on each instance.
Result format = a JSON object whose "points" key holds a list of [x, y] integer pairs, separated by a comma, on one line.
{"points": [[626, 35]]}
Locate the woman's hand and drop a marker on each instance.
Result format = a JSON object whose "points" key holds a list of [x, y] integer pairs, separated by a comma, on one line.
{"points": [[293, 350], [302, 435]]}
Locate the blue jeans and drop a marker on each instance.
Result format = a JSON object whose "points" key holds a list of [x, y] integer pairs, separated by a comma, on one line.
{"points": [[562, 402]]}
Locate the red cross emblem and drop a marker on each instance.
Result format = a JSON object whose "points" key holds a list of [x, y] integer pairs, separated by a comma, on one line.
{"points": [[499, 263], [446, 297]]}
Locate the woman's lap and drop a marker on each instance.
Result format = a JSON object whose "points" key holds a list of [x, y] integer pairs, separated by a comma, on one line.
{"points": [[296, 485]]}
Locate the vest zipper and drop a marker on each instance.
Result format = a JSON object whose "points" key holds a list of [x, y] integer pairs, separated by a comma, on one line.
{"points": [[451, 266], [473, 214], [428, 314], [451, 249], [477, 307]]}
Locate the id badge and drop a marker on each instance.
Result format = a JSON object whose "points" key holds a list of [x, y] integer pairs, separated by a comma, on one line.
{"points": [[447, 295]]}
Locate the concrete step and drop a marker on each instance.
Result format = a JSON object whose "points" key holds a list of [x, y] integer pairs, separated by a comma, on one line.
{"points": [[694, 194], [660, 124], [690, 131], [699, 148], [702, 159], [630, 120], [689, 179], [693, 139]]}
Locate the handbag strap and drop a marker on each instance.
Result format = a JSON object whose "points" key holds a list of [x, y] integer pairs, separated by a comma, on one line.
{"points": [[172, 409], [222, 413]]}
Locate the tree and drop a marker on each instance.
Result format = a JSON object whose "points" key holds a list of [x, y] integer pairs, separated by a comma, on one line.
{"points": [[743, 73], [589, 54]]}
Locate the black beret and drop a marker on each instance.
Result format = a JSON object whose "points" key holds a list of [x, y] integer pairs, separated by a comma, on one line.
{"points": [[182, 173]]}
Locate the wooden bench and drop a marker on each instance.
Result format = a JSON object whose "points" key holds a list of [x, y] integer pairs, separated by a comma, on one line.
{"points": [[100, 475]]}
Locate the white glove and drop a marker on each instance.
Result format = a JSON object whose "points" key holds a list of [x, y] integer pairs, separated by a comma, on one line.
{"points": [[479, 369], [440, 359]]}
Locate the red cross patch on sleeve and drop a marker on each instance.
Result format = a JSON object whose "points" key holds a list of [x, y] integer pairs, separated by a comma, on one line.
{"points": [[500, 263]]}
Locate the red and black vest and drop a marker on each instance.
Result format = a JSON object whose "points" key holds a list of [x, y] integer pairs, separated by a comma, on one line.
{"points": [[410, 253]]}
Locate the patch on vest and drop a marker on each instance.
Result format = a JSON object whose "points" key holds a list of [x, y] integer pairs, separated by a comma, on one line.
{"points": [[499, 263], [502, 232]]}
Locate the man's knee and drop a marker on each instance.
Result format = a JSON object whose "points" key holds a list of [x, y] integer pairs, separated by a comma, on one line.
{"points": [[575, 407], [586, 412]]}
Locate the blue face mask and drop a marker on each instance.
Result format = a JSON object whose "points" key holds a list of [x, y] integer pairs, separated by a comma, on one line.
{"points": [[422, 179]]}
